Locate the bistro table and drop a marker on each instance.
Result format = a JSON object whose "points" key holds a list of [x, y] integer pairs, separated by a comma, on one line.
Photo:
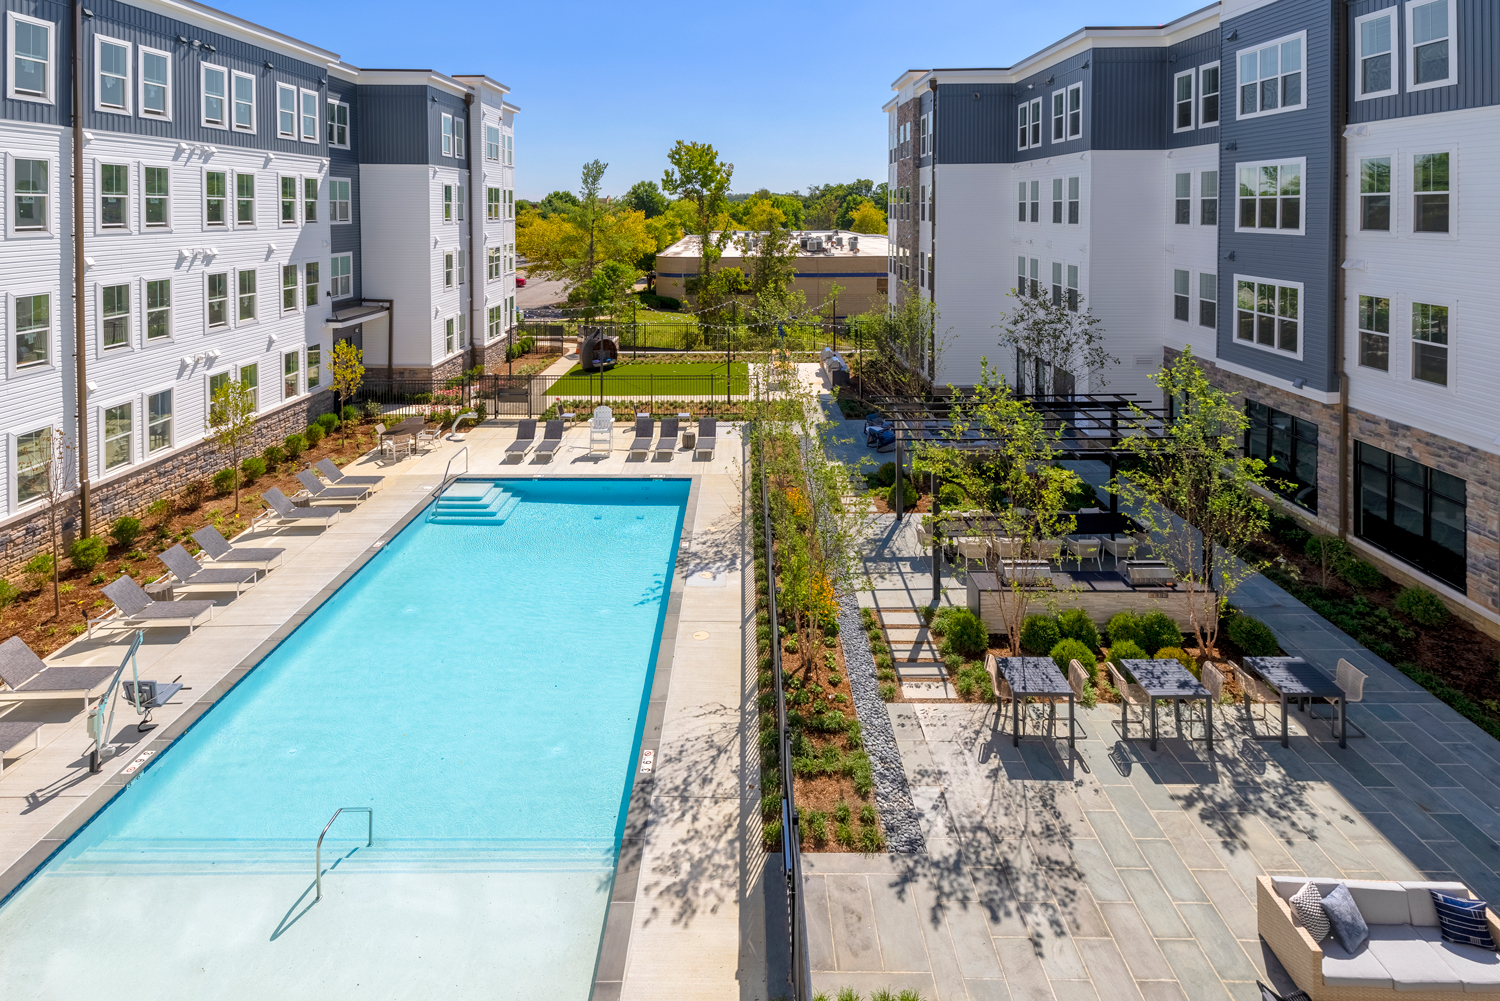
{"points": [[409, 426], [1034, 676], [1168, 679], [1294, 678]]}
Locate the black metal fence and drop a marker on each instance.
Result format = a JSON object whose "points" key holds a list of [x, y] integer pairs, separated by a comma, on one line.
{"points": [[690, 335], [533, 395]]}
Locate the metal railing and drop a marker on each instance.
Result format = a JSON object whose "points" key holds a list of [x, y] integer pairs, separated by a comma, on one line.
{"points": [[446, 469], [531, 395], [369, 840]]}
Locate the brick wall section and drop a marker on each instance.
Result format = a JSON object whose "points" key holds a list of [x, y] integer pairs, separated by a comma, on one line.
{"points": [[132, 492]]}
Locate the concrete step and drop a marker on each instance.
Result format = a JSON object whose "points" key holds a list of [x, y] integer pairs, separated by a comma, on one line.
{"points": [[920, 670], [899, 617], [927, 690]]}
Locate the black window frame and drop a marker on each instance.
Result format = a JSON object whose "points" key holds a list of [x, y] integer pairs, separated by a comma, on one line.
{"points": [[1426, 553], [1267, 426]]}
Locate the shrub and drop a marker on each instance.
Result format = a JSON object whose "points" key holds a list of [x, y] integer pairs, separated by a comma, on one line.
{"points": [[87, 553], [1039, 634], [950, 496], [274, 455], [888, 691], [908, 495], [254, 467], [1158, 630], [1252, 636], [1125, 626], [964, 634], [1181, 656], [159, 511], [192, 494], [1069, 650], [814, 825], [771, 835], [313, 434], [38, 569], [295, 445], [349, 413], [372, 410], [124, 531], [1358, 573], [224, 481], [1424, 607], [885, 476], [328, 422], [1126, 650], [1075, 624], [870, 840], [8, 593]]}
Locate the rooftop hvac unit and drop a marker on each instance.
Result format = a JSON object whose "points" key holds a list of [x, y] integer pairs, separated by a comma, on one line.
{"points": [[854, 244], [815, 244]]}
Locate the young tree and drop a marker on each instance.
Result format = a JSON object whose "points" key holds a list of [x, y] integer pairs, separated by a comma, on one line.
{"points": [[1065, 338], [698, 175], [768, 249], [588, 213], [347, 371], [900, 347], [607, 289], [231, 425], [1193, 491], [54, 449]]}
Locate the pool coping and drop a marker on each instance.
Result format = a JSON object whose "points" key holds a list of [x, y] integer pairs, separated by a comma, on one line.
{"points": [[31, 862]]}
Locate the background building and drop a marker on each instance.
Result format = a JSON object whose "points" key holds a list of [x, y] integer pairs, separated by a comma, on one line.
{"points": [[855, 262]]}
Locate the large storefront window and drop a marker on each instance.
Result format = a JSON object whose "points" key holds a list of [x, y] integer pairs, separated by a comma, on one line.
{"points": [[1412, 512], [1289, 447]]}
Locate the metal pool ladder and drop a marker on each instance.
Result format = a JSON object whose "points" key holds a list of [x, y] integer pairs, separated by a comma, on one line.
{"points": [[369, 839]]}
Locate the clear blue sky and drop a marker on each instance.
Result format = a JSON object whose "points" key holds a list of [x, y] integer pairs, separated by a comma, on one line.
{"points": [[789, 91]]}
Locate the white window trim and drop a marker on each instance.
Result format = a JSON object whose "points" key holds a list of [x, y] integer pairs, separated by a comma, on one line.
{"points": [[1193, 109], [340, 222], [446, 132], [141, 52], [1390, 335], [1356, 213], [1409, 340], [1395, 87], [499, 143], [100, 473], [229, 206], [1411, 51], [203, 69], [333, 277], [141, 319], [11, 233], [1023, 108], [283, 88], [234, 295], [145, 421], [50, 366], [1218, 94], [131, 333], [1234, 319], [254, 111], [319, 125], [1238, 83], [301, 374], [232, 185], [106, 109], [348, 129], [1058, 122], [1410, 193], [96, 207], [233, 371], [301, 293], [230, 303], [1301, 229], [1068, 136], [296, 202], [11, 17]]}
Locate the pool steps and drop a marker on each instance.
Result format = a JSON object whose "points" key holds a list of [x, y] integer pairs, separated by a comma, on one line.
{"points": [[473, 502]]}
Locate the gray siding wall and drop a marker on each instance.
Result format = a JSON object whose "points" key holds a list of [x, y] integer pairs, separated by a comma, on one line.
{"points": [[1309, 133], [1124, 116], [1062, 75], [1183, 56], [440, 103], [924, 107], [61, 15], [345, 163], [392, 123], [1475, 48], [972, 122]]}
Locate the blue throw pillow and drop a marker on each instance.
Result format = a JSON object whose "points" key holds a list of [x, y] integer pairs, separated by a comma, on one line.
{"points": [[1463, 921], [1344, 918]]}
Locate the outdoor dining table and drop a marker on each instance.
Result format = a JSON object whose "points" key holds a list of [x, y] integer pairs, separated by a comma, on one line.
{"points": [[409, 426], [1168, 679], [1034, 676], [1294, 678]]}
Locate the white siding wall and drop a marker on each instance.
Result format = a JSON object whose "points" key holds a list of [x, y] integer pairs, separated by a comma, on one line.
{"points": [[1192, 248], [452, 236], [499, 233], [398, 248], [973, 276]]}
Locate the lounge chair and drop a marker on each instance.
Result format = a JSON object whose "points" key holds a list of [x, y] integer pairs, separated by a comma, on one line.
{"points": [[642, 443], [13, 735], [1085, 549], [708, 431], [551, 439], [525, 438], [333, 474], [190, 573], [318, 491], [27, 677], [283, 511], [602, 429], [666, 443], [136, 608], [220, 551]]}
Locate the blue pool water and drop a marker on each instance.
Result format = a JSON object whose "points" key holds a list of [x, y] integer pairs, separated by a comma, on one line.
{"points": [[481, 687]]}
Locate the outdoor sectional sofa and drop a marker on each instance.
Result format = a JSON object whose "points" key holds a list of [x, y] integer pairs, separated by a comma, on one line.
{"points": [[1405, 957]]}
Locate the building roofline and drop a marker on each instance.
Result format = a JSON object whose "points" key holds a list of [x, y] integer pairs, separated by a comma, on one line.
{"points": [[231, 24], [481, 80]]}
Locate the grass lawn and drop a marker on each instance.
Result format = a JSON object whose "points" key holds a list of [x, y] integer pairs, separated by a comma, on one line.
{"points": [[686, 378]]}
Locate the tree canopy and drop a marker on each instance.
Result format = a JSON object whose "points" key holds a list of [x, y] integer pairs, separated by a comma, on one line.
{"points": [[645, 197]]}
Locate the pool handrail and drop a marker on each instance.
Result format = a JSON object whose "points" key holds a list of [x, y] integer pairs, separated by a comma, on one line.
{"points": [[463, 452], [369, 840]]}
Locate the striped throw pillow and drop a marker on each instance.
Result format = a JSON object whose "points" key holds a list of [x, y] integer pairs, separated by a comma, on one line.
{"points": [[1463, 921], [1307, 904]]}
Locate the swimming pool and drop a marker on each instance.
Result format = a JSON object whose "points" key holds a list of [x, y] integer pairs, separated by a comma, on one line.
{"points": [[481, 687]]}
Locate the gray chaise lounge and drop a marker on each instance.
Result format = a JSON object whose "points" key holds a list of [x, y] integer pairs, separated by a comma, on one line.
{"points": [[708, 436], [283, 511], [27, 677], [135, 608], [643, 432], [190, 573], [551, 439], [318, 490], [525, 438], [220, 551], [333, 474], [666, 444], [13, 735]]}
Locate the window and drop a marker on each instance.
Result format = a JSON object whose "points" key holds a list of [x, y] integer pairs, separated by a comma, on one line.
{"points": [[112, 74], [496, 324], [461, 200], [1072, 201], [156, 84], [1430, 193], [214, 192], [510, 203], [288, 201], [286, 111], [116, 436], [1183, 214], [1271, 196], [1057, 199], [447, 135], [310, 278], [1021, 202], [244, 200], [1072, 288], [1267, 314], [1414, 512], [114, 316], [309, 116], [32, 459], [1075, 111], [1430, 27], [1208, 300], [31, 58], [338, 124], [448, 270], [1182, 101], [215, 94], [338, 200], [1271, 77], [216, 384], [1181, 295], [1208, 95], [247, 294], [1029, 124], [448, 336], [491, 143], [159, 421], [922, 201], [244, 102], [250, 379], [288, 287], [1375, 332], [1375, 193], [33, 329], [462, 268], [1373, 58], [1289, 447], [492, 203], [314, 366], [29, 190], [1208, 198], [158, 308], [463, 330], [157, 192], [492, 263], [341, 276], [290, 371], [1059, 115], [114, 193], [1036, 201], [510, 150], [1429, 335], [309, 199], [458, 138], [218, 300]]}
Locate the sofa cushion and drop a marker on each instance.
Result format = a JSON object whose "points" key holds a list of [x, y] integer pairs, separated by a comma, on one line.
{"points": [[1380, 903], [1307, 905], [1287, 886], [1407, 956], [1423, 911], [1463, 921], [1479, 969], [1359, 969], [1344, 918]]}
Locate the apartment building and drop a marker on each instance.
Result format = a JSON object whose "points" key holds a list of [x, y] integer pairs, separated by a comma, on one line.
{"points": [[246, 200], [1277, 184]]}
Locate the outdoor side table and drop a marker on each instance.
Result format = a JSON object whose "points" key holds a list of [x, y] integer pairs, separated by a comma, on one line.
{"points": [[1036, 676], [161, 590], [1167, 679], [1295, 678], [689, 430]]}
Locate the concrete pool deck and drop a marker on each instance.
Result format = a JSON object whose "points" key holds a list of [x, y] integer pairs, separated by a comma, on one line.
{"points": [[689, 877]]}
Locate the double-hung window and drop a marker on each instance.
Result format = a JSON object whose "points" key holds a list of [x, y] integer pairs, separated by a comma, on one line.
{"points": [[291, 374], [215, 183], [244, 199], [288, 288], [247, 289], [496, 318], [1073, 183], [447, 203], [338, 200], [447, 135], [338, 124], [1183, 213], [462, 267], [309, 116], [111, 75], [157, 182], [156, 84], [1430, 30], [1267, 314], [1208, 300], [1208, 95], [1181, 295], [33, 332], [492, 203], [510, 203], [510, 150], [448, 336], [217, 381], [1208, 198], [218, 300], [244, 102], [250, 379], [341, 276], [1375, 332], [114, 316], [492, 263], [159, 421], [117, 434], [215, 97], [310, 281], [448, 269], [31, 47], [1029, 124], [1429, 343], [1182, 101], [1057, 199], [1075, 111], [1036, 201], [1375, 193], [1059, 115], [492, 143], [309, 199], [286, 111], [1271, 196], [463, 330], [1375, 68], [1021, 201], [1072, 290], [114, 195], [459, 148], [1271, 77], [1430, 193], [314, 366], [288, 201], [33, 457], [158, 308], [460, 200]]}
